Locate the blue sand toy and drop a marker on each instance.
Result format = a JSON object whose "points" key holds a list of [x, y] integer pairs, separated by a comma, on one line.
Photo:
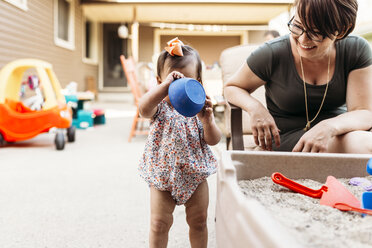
{"points": [[369, 166], [367, 196], [187, 96], [367, 200]]}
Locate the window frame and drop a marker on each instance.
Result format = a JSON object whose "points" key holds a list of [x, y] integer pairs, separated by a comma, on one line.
{"points": [[93, 60], [70, 43], [22, 4]]}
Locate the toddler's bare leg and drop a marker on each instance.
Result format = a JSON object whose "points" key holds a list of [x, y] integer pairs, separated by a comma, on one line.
{"points": [[162, 207], [196, 216]]}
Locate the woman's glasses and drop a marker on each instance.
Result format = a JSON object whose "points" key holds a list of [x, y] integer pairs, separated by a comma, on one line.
{"points": [[298, 31]]}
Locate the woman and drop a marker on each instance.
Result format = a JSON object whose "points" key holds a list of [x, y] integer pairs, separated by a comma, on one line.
{"points": [[309, 76]]}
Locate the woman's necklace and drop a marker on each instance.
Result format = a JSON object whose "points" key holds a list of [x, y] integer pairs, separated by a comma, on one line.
{"points": [[308, 123]]}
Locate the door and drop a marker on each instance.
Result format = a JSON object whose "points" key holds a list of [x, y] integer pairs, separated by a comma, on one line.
{"points": [[113, 47]]}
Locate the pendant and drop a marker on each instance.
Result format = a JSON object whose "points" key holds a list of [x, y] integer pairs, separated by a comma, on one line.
{"points": [[307, 127]]}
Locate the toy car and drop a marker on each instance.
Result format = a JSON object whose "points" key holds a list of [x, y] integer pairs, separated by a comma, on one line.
{"points": [[19, 122]]}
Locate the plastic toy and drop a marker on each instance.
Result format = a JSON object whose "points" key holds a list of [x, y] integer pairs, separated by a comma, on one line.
{"points": [[333, 193], [187, 96], [369, 166], [84, 119], [19, 122], [35, 102], [99, 117], [362, 182], [367, 196], [367, 200], [81, 118]]}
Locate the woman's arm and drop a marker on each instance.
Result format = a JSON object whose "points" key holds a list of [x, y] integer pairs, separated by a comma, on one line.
{"points": [[149, 102], [238, 88], [237, 91], [358, 101], [358, 117]]}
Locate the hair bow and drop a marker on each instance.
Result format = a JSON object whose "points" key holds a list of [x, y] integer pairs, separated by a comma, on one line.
{"points": [[174, 47]]}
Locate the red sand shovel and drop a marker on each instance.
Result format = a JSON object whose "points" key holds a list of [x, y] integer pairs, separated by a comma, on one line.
{"points": [[333, 193]]}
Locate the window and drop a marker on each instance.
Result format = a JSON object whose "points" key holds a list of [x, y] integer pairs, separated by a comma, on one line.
{"points": [[64, 23], [90, 42], [88, 35], [22, 4]]}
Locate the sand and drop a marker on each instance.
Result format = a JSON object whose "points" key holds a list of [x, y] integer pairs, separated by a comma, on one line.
{"points": [[312, 224]]}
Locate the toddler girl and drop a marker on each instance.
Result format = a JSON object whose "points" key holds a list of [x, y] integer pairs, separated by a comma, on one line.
{"points": [[177, 159]]}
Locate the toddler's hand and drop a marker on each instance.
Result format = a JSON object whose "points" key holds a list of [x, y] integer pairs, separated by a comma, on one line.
{"points": [[206, 114], [173, 76]]}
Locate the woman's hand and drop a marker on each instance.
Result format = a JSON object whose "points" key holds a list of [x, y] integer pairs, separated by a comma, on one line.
{"points": [[316, 139], [206, 114], [264, 128]]}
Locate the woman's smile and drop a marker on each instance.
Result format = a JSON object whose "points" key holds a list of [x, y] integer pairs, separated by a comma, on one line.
{"points": [[306, 47]]}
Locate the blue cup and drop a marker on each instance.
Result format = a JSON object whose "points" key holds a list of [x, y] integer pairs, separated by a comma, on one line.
{"points": [[187, 96]]}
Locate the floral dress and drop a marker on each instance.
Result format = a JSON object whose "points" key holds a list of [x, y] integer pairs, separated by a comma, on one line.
{"points": [[176, 157]]}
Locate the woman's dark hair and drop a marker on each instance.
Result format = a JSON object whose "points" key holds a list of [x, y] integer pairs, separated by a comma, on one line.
{"points": [[328, 17], [175, 61]]}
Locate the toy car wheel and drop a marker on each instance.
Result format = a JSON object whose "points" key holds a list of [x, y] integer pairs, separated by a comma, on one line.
{"points": [[59, 141], [2, 140], [71, 133]]}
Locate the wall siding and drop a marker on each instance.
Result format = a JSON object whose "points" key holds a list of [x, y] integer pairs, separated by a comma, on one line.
{"points": [[30, 34]]}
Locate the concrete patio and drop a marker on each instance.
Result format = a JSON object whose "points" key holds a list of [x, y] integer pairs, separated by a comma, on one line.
{"points": [[88, 195]]}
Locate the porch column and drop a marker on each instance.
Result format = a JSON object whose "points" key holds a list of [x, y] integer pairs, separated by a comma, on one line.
{"points": [[135, 40]]}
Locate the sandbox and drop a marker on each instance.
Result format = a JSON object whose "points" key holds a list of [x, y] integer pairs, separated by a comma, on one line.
{"points": [[242, 221]]}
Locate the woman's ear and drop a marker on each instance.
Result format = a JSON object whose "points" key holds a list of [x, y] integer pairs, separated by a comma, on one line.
{"points": [[342, 35]]}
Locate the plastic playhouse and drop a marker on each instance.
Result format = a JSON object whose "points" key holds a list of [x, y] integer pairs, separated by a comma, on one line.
{"points": [[21, 122]]}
